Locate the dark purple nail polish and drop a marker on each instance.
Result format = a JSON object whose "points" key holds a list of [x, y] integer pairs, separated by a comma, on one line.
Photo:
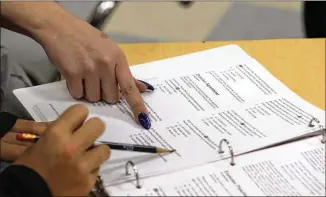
{"points": [[149, 86], [144, 120]]}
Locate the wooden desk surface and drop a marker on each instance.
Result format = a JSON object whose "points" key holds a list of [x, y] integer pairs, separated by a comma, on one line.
{"points": [[298, 63]]}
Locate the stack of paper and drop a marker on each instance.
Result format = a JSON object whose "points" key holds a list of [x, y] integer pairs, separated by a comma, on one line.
{"points": [[200, 99]]}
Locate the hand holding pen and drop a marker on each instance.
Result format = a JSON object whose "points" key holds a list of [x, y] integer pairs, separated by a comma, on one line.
{"points": [[68, 149], [63, 157], [112, 145]]}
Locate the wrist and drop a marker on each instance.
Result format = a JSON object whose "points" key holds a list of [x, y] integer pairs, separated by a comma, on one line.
{"points": [[40, 20], [64, 26], [49, 28]]}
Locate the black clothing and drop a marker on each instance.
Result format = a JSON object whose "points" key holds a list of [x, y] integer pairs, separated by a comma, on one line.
{"points": [[17, 180], [314, 14]]}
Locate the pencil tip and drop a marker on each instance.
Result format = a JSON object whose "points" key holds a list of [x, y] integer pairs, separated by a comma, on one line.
{"points": [[164, 150]]}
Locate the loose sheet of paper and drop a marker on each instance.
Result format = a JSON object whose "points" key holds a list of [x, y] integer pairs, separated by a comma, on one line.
{"points": [[296, 169], [199, 99]]}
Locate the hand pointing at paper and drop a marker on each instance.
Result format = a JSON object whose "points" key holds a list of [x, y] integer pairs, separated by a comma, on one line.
{"points": [[93, 65]]}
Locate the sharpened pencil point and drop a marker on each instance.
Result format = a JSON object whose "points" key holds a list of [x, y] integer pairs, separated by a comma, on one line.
{"points": [[164, 150]]}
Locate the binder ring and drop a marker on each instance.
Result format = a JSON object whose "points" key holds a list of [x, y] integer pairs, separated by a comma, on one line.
{"points": [[230, 149], [313, 120], [323, 140], [99, 190], [135, 169]]}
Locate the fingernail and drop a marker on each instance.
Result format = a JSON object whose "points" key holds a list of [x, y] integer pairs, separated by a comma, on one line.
{"points": [[144, 120], [149, 86]]}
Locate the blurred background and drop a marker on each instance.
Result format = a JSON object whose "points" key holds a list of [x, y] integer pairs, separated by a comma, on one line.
{"points": [[196, 21], [132, 22]]}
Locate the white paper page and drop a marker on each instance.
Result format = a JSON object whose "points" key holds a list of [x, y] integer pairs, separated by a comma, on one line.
{"points": [[296, 169], [251, 109], [181, 137]]}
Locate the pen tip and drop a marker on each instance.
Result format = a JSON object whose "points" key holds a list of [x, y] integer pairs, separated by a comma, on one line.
{"points": [[172, 151]]}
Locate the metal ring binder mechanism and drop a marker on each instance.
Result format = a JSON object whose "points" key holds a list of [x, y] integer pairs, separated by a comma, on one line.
{"points": [[135, 171], [313, 120], [323, 140], [321, 128], [230, 149], [99, 190]]}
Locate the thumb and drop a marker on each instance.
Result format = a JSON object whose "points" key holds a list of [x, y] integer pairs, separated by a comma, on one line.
{"points": [[28, 126]]}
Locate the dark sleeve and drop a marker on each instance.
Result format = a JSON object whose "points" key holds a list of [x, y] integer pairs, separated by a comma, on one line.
{"points": [[7, 121], [314, 13], [18, 180]]}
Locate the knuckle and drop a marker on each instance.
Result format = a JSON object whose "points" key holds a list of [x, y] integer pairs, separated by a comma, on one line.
{"points": [[39, 127], [67, 152], [118, 53], [115, 54], [45, 125], [75, 91], [92, 99], [122, 56], [76, 95], [54, 131], [107, 152], [90, 68], [5, 138], [128, 90], [33, 126], [112, 99], [107, 59], [97, 122], [104, 153], [79, 109], [73, 73]]}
